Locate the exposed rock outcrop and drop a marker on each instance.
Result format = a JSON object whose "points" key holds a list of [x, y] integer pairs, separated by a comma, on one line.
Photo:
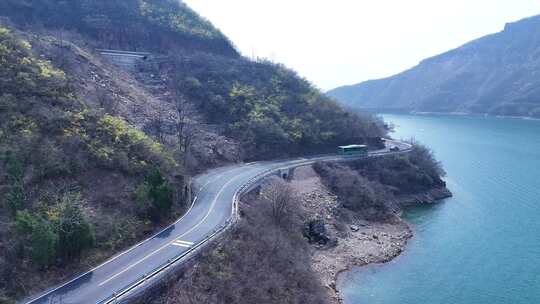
{"points": [[429, 197], [315, 231]]}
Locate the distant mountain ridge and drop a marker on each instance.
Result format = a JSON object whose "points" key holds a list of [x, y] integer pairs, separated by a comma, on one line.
{"points": [[497, 74]]}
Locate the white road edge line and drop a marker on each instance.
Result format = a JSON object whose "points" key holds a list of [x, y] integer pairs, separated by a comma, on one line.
{"points": [[129, 249], [168, 244]]}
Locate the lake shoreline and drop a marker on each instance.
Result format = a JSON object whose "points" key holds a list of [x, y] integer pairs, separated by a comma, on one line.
{"points": [[358, 242], [392, 246], [392, 237], [474, 115], [465, 249], [390, 111]]}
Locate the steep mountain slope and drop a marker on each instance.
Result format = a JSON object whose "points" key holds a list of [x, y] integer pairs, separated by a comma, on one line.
{"points": [[70, 172], [93, 158], [496, 74]]}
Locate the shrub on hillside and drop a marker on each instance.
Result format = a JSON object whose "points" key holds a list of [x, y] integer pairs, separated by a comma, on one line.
{"points": [[75, 234], [154, 196], [369, 186], [114, 144], [58, 231], [408, 173], [369, 199], [40, 236]]}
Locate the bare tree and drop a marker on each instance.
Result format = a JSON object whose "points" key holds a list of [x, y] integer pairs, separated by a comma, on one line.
{"points": [[158, 121], [280, 196], [186, 117], [62, 49]]}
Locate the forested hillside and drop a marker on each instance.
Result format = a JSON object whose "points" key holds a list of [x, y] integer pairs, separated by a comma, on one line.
{"points": [[127, 24], [269, 109], [264, 106], [93, 159], [57, 160], [496, 74]]}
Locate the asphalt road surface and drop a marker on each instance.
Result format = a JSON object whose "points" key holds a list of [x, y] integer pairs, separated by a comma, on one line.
{"points": [[212, 210]]}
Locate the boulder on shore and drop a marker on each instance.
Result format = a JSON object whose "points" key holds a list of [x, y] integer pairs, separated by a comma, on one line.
{"points": [[316, 232]]}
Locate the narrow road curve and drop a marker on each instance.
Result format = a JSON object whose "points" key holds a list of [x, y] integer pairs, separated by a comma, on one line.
{"points": [[212, 211]]}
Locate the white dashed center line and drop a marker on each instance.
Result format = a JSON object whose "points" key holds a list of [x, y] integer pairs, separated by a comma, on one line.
{"points": [[182, 244]]}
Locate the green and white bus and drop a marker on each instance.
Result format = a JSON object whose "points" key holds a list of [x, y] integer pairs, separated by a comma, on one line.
{"points": [[361, 150]]}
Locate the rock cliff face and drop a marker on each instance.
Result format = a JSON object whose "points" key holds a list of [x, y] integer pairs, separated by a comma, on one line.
{"points": [[496, 74]]}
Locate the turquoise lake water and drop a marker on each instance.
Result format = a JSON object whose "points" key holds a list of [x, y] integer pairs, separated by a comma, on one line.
{"points": [[483, 245]]}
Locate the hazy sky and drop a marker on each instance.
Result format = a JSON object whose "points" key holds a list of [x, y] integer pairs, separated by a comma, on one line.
{"points": [[340, 42]]}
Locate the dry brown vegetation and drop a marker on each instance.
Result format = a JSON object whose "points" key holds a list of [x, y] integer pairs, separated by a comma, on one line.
{"points": [[373, 187], [265, 259]]}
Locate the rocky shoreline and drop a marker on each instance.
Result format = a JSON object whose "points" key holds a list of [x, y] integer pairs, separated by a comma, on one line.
{"points": [[429, 197], [353, 241]]}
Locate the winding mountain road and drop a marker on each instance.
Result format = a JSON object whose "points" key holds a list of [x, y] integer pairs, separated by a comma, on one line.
{"points": [[212, 211]]}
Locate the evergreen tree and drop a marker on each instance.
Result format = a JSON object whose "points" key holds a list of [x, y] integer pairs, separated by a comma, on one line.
{"points": [[44, 240], [41, 236], [75, 233], [159, 193], [15, 197]]}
